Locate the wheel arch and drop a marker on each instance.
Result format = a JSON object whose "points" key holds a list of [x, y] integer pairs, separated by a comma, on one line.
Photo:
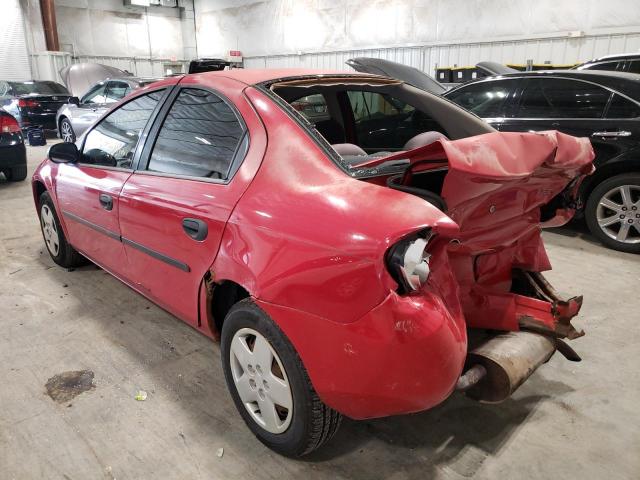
{"points": [[217, 297], [609, 170]]}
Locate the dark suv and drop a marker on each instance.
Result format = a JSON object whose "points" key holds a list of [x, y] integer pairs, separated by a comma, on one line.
{"points": [[601, 105]]}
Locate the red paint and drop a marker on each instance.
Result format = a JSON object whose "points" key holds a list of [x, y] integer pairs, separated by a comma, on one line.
{"points": [[308, 241]]}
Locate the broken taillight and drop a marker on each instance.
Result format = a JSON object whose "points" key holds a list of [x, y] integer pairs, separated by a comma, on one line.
{"points": [[408, 262], [9, 124]]}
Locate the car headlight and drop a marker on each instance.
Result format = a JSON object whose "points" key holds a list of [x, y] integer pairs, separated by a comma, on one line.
{"points": [[408, 262]]}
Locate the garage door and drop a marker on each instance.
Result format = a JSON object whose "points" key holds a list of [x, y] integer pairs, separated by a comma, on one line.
{"points": [[14, 56]]}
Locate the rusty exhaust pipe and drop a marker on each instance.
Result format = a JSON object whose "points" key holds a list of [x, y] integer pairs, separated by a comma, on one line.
{"points": [[508, 360]]}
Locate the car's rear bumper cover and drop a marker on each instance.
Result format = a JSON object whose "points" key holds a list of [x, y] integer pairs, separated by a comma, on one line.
{"points": [[404, 356]]}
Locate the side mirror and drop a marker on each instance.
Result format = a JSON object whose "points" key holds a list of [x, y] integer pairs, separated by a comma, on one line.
{"points": [[74, 100], [64, 153]]}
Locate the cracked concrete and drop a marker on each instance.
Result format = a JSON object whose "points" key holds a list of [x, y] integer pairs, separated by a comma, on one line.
{"points": [[570, 420]]}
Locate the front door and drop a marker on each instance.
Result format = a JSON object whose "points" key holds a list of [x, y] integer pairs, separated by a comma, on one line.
{"points": [[174, 208], [88, 193]]}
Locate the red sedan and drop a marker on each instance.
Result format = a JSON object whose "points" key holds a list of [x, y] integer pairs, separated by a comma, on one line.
{"points": [[359, 246]]}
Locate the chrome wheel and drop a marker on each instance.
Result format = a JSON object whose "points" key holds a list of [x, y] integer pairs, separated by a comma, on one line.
{"points": [[49, 230], [618, 214], [260, 380], [66, 132]]}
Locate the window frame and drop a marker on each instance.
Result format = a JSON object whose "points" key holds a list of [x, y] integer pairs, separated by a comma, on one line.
{"points": [[143, 135], [142, 165]]}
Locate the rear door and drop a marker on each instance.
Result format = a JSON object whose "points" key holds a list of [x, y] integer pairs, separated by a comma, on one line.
{"points": [[87, 192], [202, 153], [571, 106]]}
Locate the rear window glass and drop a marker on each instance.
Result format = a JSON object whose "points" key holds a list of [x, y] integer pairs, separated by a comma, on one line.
{"points": [[42, 88]]}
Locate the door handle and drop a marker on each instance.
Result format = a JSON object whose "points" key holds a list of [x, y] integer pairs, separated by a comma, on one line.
{"points": [[195, 228], [106, 201], [614, 133]]}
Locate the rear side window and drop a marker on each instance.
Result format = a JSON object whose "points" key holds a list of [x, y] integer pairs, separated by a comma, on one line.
{"points": [[634, 66], [198, 138], [610, 66], [485, 99], [113, 141], [562, 98], [620, 107]]}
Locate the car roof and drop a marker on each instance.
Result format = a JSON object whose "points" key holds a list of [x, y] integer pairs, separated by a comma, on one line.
{"points": [[627, 83], [617, 56], [257, 76]]}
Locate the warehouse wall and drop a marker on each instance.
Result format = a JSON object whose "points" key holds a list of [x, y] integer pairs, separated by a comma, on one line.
{"points": [[423, 33], [14, 59], [140, 40]]}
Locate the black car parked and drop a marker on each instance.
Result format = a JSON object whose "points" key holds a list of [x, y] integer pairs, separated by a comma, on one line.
{"points": [[33, 103], [601, 105], [624, 62], [13, 155]]}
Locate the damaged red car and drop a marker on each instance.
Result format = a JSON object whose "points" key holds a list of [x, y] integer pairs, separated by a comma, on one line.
{"points": [[359, 246]]}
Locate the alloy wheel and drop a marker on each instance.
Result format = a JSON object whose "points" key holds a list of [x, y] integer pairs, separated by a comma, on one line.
{"points": [[261, 381], [67, 132], [618, 213], [49, 230]]}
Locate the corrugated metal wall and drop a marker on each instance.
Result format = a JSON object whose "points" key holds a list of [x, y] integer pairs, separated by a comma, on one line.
{"points": [[14, 57], [428, 57]]}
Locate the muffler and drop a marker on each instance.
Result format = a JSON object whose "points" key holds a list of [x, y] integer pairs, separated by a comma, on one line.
{"points": [[508, 360]]}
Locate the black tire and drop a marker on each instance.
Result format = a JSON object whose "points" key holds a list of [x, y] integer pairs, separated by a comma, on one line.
{"points": [[65, 123], [591, 213], [16, 174], [312, 423], [66, 256]]}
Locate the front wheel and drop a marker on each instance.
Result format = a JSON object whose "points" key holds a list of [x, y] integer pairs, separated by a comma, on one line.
{"points": [[59, 248], [613, 212], [66, 131], [270, 386]]}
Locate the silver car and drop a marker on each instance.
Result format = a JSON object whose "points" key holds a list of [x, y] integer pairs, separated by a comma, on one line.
{"points": [[75, 117]]}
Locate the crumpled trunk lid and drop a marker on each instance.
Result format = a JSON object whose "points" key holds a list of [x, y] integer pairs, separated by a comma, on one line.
{"points": [[497, 183]]}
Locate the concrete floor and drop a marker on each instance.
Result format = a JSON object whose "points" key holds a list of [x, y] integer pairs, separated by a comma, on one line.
{"points": [[570, 420]]}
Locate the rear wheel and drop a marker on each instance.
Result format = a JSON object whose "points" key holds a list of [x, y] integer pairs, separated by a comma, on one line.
{"points": [[16, 174], [61, 252], [613, 212], [66, 131], [270, 386]]}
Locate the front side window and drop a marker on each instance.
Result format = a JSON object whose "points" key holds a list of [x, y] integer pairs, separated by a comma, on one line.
{"points": [[198, 138], [485, 99], [95, 95], [113, 141], [562, 98], [116, 91], [620, 107]]}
